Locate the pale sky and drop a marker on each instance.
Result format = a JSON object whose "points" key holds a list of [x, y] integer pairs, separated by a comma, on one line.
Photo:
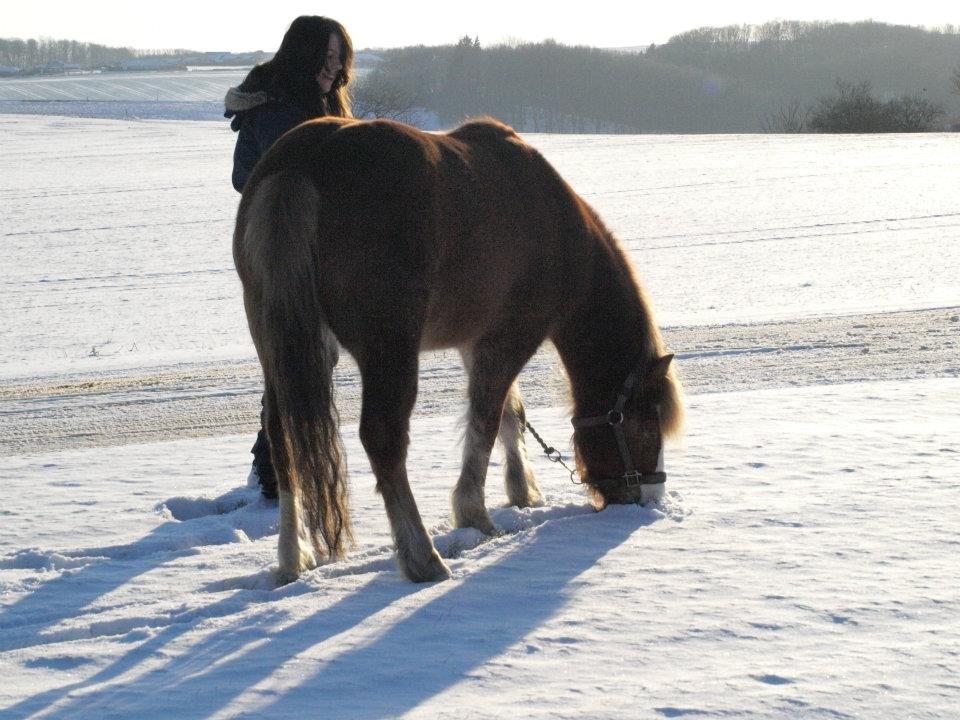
{"points": [[239, 26]]}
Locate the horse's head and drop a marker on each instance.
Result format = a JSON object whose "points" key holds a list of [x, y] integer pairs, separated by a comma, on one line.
{"points": [[620, 452]]}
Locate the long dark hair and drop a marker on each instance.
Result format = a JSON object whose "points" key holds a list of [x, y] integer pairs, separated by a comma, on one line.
{"points": [[291, 75]]}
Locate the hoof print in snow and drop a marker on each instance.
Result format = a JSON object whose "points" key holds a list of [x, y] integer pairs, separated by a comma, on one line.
{"points": [[190, 508], [772, 679]]}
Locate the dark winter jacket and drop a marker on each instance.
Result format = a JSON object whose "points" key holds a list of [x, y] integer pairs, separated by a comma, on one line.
{"points": [[259, 119]]}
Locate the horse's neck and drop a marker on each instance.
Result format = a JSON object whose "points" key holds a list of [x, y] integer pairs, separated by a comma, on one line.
{"points": [[606, 336]]}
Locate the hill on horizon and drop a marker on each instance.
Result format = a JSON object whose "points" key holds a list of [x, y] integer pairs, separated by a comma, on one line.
{"points": [[710, 79]]}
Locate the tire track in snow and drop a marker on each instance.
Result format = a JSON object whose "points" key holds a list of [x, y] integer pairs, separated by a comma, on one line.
{"points": [[817, 230], [55, 192], [215, 399], [137, 226]]}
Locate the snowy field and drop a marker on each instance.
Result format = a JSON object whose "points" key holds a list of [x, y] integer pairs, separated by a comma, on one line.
{"points": [[198, 85], [174, 95], [196, 94], [803, 564]]}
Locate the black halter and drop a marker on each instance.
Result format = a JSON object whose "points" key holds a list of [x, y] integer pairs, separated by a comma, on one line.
{"points": [[614, 419]]}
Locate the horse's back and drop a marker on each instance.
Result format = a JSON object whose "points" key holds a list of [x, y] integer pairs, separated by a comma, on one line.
{"points": [[526, 245], [472, 225]]}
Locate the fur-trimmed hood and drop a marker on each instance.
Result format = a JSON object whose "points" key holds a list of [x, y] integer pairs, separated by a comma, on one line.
{"points": [[237, 101]]}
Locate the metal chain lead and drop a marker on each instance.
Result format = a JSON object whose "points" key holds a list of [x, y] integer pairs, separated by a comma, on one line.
{"points": [[553, 455]]}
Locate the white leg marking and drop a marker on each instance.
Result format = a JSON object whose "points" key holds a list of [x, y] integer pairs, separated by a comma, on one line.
{"points": [[295, 550], [469, 509], [522, 488]]}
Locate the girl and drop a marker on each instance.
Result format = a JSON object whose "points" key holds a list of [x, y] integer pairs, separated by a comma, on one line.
{"points": [[307, 78]]}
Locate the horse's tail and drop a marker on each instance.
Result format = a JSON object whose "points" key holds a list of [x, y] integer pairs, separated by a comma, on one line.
{"points": [[275, 251]]}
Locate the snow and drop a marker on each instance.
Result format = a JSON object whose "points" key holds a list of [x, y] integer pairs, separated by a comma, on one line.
{"points": [[169, 86], [194, 94], [801, 565], [169, 95], [767, 227]]}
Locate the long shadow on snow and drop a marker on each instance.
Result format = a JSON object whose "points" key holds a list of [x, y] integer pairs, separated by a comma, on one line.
{"points": [[420, 656], [39, 703], [147, 696], [102, 570]]}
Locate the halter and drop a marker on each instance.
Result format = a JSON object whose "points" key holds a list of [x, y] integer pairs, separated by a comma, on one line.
{"points": [[614, 419]]}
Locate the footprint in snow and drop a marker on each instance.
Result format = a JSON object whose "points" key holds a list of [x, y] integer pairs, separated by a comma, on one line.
{"points": [[190, 508], [772, 679]]}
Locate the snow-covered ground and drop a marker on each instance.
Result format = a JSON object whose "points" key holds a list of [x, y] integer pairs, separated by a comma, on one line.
{"points": [[802, 565], [117, 235], [196, 94], [200, 84], [172, 95]]}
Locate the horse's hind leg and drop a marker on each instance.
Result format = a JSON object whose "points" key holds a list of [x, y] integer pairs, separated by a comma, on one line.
{"points": [[389, 373], [296, 549], [492, 366], [521, 485]]}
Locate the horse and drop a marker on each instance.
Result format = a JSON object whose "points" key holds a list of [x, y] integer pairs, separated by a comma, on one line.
{"points": [[387, 241]]}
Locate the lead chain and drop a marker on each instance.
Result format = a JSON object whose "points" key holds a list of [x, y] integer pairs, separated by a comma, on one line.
{"points": [[553, 455]]}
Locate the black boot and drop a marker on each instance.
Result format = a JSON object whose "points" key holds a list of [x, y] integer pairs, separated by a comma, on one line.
{"points": [[262, 465]]}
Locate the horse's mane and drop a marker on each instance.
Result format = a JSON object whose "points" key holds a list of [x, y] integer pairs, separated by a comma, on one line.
{"points": [[488, 130], [482, 128], [624, 274], [672, 415]]}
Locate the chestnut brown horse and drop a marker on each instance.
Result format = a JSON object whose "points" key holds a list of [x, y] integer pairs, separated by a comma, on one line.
{"points": [[387, 241]]}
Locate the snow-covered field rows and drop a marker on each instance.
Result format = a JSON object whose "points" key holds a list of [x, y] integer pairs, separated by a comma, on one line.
{"points": [[117, 234], [200, 85], [196, 95], [803, 564]]}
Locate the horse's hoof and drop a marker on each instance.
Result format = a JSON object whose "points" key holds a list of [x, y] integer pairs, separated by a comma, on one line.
{"points": [[433, 570], [531, 499], [523, 491], [477, 519], [484, 525], [285, 577]]}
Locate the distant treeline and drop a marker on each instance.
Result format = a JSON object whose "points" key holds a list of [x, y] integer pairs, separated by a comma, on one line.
{"points": [[46, 56], [742, 78], [730, 79], [32, 53]]}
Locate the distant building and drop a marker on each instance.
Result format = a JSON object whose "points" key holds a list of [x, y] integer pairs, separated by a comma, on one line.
{"points": [[157, 63], [54, 67], [215, 58]]}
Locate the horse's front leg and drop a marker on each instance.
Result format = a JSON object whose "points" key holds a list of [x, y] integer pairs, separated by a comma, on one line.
{"points": [[521, 485], [389, 376], [492, 367]]}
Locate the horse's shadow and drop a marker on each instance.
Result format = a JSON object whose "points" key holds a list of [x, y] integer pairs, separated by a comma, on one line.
{"points": [[426, 652], [91, 573]]}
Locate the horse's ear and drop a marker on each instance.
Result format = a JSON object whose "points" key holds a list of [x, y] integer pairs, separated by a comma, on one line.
{"points": [[661, 366]]}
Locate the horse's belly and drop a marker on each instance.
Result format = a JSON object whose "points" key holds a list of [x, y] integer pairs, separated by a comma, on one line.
{"points": [[444, 332], [458, 320]]}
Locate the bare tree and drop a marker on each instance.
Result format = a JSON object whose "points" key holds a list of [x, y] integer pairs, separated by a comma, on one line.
{"points": [[790, 118], [854, 109], [910, 113], [374, 96]]}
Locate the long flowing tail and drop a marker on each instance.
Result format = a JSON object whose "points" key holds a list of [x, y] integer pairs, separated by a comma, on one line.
{"points": [[275, 252]]}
